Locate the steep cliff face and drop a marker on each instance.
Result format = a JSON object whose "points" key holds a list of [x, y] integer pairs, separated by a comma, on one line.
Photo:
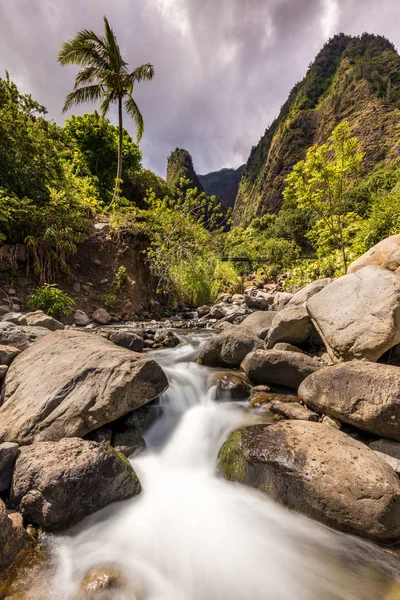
{"points": [[357, 79], [180, 165], [224, 184]]}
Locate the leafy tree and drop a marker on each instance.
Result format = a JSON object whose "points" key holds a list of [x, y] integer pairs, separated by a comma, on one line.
{"points": [[104, 76], [324, 180]]}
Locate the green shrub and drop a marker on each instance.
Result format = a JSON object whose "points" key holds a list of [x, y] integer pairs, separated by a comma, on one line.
{"points": [[225, 279], [51, 300]]}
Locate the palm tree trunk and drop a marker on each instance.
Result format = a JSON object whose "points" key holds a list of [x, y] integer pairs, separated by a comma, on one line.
{"points": [[117, 188]]}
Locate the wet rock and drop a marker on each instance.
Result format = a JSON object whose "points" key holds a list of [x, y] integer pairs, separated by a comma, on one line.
{"points": [[358, 315], [8, 454], [229, 348], [166, 338], [70, 383], [7, 354], [229, 386], [19, 336], [260, 398], [259, 323], [102, 434], [218, 311], [101, 316], [293, 410], [279, 367], [127, 339], [291, 325], [81, 318], [103, 584], [300, 298], [360, 393], [12, 535], [318, 471], [384, 254], [144, 417], [129, 441], [287, 347], [56, 484], [40, 319]]}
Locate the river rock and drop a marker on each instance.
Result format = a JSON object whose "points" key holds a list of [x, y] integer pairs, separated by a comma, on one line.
{"points": [[3, 371], [291, 325], [219, 311], [229, 386], [128, 441], [127, 339], [279, 367], [8, 454], [144, 417], [202, 311], [104, 584], [167, 338], [56, 484], [101, 316], [70, 383], [256, 302], [293, 410], [229, 348], [384, 254], [12, 535], [12, 317], [390, 447], [19, 336], [81, 318], [358, 315], [40, 319], [300, 298], [7, 354], [318, 471], [259, 322], [281, 299], [360, 393], [287, 347]]}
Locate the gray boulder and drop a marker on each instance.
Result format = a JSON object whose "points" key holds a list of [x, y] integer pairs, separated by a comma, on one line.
{"points": [[358, 315], [19, 336], [167, 338], [318, 471], [279, 367], [127, 339], [12, 535], [300, 298], [230, 386], [7, 354], [70, 383], [56, 484], [40, 319], [101, 316], [259, 323], [229, 348], [291, 325], [256, 302], [81, 318], [8, 454], [281, 299], [128, 441], [12, 317], [359, 393]]}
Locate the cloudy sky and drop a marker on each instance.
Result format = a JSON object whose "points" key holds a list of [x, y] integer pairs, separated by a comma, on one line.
{"points": [[222, 67]]}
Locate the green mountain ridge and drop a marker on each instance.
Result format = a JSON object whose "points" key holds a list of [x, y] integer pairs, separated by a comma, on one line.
{"points": [[352, 78], [223, 183]]}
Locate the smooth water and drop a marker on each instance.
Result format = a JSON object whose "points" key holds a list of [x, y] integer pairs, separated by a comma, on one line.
{"points": [[193, 536]]}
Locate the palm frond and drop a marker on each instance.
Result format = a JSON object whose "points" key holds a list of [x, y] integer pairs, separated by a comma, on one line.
{"points": [[90, 74], [133, 111], [84, 54], [143, 73], [89, 93], [105, 105], [113, 48]]}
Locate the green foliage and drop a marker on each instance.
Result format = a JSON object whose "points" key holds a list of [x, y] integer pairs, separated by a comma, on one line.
{"points": [[51, 300], [180, 166], [225, 279]]}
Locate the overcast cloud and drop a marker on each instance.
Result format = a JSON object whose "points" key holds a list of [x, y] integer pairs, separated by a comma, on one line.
{"points": [[223, 68]]}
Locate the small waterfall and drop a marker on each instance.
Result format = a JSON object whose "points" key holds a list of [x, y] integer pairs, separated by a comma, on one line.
{"points": [[193, 536]]}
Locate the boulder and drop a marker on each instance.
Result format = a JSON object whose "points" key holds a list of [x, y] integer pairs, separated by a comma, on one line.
{"points": [[12, 535], [219, 311], [384, 254], [19, 336], [238, 298], [70, 383], [393, 462], [300, 298], [358, 315], [128, 441], [291, 325], [40, 319], [7, 354], [144, 417], [81, 318], [318, 471], [105, 583], [101, 316], [389, 447], [279, 367], [287, 347], [56, 484], [281, 299], [167, 338], [3, 371], [8, 454], [229, 348], [293, 410], [202, 311], [127, 339], [12, 317], [256, 302], [229, 386], [360, 393], [259, 323]]}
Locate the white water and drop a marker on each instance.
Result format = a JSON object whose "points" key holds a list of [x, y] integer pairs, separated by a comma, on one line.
{"points": [[191, 535]]}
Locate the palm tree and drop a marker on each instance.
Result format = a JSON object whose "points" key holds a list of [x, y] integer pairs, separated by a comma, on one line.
{"points": [[104, 76]]}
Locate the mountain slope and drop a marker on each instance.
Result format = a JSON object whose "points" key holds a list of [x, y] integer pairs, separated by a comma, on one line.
{"points": [[224, 184], [357, 79], [180, 165]]}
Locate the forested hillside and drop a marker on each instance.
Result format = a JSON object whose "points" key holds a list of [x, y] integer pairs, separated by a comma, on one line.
{"points": [[223, 183]]}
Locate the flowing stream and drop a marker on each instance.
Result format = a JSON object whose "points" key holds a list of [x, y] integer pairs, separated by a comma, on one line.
{"points": [[191, 535]]}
